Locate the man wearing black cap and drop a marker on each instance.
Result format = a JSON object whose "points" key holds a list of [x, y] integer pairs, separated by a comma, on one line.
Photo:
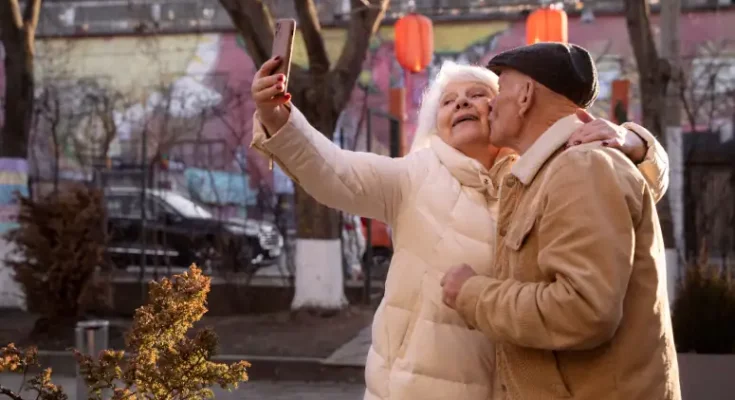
{"points": [[578, 304]]}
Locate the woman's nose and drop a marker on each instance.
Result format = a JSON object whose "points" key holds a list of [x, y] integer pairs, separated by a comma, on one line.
{"points": [[463, 103]]}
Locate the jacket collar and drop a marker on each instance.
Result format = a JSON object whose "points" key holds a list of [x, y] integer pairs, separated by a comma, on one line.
{"points": [[544, 147], [468, 171]]}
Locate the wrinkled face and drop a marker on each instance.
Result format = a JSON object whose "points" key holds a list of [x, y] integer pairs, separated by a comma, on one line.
{"points": [[505, 115], [462, 121]]}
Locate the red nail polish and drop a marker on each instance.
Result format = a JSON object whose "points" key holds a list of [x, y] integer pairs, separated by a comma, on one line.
{"points": [[605, 143], [279, 87], [281, 78], [577, 143], [277, 58]]}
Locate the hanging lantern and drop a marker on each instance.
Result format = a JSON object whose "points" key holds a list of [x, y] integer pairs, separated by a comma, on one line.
{"points": [[414, 42], [619, 100], [546, 25]]}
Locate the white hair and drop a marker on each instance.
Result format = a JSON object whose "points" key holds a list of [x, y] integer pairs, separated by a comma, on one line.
{"points": [[450, 72]]}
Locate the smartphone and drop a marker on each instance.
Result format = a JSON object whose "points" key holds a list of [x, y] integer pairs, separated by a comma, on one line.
{"points": [[283, 46]]}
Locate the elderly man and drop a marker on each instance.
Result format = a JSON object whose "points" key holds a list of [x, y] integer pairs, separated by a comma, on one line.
{"points": [[577, 303]]}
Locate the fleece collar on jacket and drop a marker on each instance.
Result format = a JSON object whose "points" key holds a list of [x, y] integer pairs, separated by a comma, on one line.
{"points": [[544, 147], [468, 171]]}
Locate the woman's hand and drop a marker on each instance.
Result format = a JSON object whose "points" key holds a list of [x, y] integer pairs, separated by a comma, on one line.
{"points": [[268, 92], [610, 134]]}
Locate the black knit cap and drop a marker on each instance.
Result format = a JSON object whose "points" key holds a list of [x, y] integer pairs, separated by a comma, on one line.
{"points": [[566, 69]]}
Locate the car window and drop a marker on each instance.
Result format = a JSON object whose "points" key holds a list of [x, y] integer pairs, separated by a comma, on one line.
{"points": [[128, 206], [185, 206]]}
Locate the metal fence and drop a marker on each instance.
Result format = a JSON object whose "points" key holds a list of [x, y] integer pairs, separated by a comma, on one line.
{"points": [[709, 199]]}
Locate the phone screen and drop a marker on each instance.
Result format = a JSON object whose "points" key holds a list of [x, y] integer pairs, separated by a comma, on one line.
{"points": [[283, 45]]}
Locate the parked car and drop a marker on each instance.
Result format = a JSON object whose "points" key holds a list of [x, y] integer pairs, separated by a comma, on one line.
{"points": [[179, 232]]}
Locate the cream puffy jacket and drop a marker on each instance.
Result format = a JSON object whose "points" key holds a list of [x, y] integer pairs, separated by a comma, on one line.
{"points": [[442, 207]]}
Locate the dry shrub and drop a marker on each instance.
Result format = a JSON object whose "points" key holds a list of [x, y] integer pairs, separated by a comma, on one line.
{"points": [[165, 363], [59, 244], [704, 310], [162, 363]]}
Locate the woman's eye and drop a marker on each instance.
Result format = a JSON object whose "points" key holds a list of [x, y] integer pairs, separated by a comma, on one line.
{"points": [[477, 95]]}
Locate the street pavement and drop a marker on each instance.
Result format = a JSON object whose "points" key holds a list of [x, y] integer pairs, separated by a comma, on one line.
{"points": [[255, 390]]}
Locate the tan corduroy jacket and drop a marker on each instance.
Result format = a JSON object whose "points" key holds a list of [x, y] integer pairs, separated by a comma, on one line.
{"points": [[577, 302]]}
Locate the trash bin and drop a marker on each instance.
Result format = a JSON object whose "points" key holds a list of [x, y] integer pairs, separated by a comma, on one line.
{"points": [[91, 338]]}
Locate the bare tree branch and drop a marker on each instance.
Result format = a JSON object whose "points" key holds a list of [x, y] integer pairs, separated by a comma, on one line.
{"points": [[605, 51], [30, 16], [364, 21], [11, 18], [254, 22], [311, 32], [7, 392]]}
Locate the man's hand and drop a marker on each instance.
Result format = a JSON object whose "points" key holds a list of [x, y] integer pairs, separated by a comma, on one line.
{"points": [[453, 281]]}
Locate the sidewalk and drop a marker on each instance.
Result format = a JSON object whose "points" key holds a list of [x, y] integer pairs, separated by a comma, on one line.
{"points": [[354, 352], [246, 391], [346, 365]]}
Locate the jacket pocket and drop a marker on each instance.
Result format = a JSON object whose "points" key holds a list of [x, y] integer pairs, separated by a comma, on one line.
{"points": [[518, 232], [415, 311], [535, 372]]}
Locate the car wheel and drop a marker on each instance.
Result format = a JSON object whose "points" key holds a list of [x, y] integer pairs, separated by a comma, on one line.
{"points": [[208, 257]]}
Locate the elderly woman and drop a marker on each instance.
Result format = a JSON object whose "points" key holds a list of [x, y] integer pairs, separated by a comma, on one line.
{"points": [[441, 201]]}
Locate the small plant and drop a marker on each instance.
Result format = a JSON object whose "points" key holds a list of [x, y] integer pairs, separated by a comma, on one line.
{"points": [[704, 310], [13, 359], [59, 244], [163, 362]]}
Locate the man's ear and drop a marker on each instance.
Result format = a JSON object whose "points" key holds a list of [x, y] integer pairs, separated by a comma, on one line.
{"points": [[526, 92]]}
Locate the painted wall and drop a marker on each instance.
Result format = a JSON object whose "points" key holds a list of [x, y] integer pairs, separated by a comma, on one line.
{"points": [[198, 72]]}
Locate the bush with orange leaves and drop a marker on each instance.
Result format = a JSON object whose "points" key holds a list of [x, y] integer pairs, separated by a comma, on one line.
{"points": [[163, 362]]}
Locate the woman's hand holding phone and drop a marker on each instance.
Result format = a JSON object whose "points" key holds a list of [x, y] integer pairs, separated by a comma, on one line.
{"points": [[270, 96]]}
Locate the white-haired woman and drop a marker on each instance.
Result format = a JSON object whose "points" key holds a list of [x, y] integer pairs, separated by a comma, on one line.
{"points": [[441, 201]]}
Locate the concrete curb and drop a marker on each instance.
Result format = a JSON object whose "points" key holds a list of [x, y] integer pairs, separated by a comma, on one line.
{"points": [[264, 368]]}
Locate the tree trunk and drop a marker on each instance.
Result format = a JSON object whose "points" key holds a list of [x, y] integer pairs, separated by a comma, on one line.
{"points": [[321, 93], [653, 77], [17, 33], [19, 102], [319, 267]]}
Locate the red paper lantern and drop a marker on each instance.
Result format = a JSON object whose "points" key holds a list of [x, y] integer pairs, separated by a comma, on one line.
{"points": [[546, 25], [619, 100], [414, 42]]}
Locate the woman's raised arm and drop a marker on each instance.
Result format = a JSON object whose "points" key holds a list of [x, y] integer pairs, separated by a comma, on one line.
{"points": [[359, 183]]}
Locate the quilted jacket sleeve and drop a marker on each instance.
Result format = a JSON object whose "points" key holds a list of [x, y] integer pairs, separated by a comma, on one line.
{"points": [[655, 167], [359, 183]]}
